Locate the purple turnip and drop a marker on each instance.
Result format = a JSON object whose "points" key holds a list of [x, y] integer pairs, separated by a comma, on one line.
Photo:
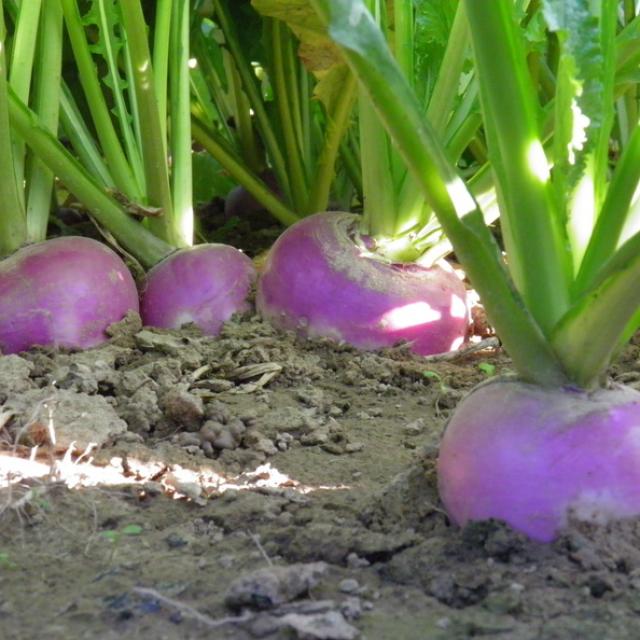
{"points": [[205, 284], [536, 457], [319, 280], [62, 292]]}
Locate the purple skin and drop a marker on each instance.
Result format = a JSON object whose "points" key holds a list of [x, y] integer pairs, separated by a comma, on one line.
{"points": [[205, 284], [319, 282], [537, 457], [62, 292]]}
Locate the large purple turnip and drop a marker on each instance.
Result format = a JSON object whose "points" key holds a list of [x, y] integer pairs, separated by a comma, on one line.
{"points": [[534, 457], [205, 284], [62, 292], [320, 281]]}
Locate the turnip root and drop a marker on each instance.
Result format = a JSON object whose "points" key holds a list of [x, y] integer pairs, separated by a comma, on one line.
{"points": [[205, 285], [537, 457], [62, 292], [320, 280]]}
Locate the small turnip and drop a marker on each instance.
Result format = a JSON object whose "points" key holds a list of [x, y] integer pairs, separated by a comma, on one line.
{"points": [[62, 292], [536, 457], [205, 285], [320, 280]]}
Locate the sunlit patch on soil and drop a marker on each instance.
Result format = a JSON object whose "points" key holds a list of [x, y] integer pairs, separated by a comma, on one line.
{"points": [[174, 480]]}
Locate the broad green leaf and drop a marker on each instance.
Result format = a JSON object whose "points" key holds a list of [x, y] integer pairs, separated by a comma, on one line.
{"points": [[580, 81], [104, 20], [300, 17], [331, 85], [584, 110], [210, 41], [317, 51], [432, 26]]}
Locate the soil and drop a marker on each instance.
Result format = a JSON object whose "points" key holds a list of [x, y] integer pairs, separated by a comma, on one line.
{"points": [[256, 485]]}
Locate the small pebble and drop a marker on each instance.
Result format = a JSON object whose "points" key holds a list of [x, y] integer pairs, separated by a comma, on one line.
{"points": [[351, 608], [349, 585], [230, 495], [414, 428], [174, 541], [153, 488], [354, 561], [226, 561]]}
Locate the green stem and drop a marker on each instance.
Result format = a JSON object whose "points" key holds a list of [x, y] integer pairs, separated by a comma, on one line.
{"points": [[133, 236], [25, 38], [109, 140], [403, 37], [446, 87], [242, 118], [13, 227], [379, 207], [440, 107], [293, 92], [351, 164], [47, 107], [337, 124], [308, 125], [124, 117], [255, 98], [161, 42], [24, 46], [237, 170], [589, 335], [461, 138], [153, 148], [531, 225], [81, 139], [181, 173], [283, 82]]}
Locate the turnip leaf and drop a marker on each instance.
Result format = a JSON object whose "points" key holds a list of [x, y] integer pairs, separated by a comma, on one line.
{"points": [[317, 51], [104, 16], [584, 112]]}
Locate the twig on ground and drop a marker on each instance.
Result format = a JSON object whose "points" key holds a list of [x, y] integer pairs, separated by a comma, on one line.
{"points": [[190, 612], [450, 356], [256, 540]]}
